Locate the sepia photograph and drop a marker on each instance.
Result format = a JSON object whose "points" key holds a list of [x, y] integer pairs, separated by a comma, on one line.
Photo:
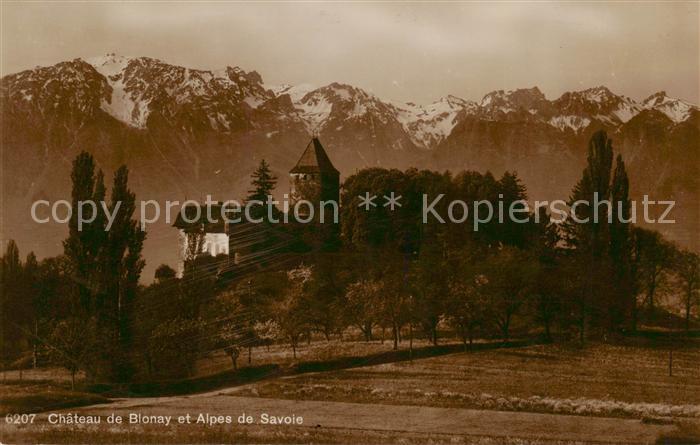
{"points": [[349, 222]]}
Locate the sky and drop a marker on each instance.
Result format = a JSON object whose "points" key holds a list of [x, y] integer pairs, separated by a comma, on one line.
{"points": [[413, 51]]}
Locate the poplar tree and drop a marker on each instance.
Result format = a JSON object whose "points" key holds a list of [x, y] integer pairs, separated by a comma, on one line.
{"points": [[82, 247], [122, 268], [106, 264], [10, 295], [623, 303], [591, 237]]}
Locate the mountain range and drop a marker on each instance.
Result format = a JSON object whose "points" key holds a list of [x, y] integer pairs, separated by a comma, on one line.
{"points": [[185, 133]]}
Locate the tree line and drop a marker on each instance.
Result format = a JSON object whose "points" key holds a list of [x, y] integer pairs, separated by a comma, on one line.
{"points": [[387, 275]]}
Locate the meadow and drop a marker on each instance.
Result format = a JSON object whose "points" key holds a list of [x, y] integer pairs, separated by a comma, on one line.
{"points": [[623, 390], [600, 380]]}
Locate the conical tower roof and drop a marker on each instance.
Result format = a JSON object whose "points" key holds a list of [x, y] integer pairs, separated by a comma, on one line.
{"points": [[314, 160]]}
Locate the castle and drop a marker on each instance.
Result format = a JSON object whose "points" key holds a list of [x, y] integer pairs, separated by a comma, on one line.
{"points": [[245, 244]]}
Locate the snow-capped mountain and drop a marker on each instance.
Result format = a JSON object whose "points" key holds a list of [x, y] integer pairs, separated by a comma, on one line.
{"points": [[328, 104], [675, 109], [430, 124], [131, 88], [186, 132], [295, 92], [321, 108], [142, 85], [523, 103], [597, 104], [69, 89]]}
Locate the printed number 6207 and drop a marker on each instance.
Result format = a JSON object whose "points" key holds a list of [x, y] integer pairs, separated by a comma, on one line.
{"points": [[18, 419]]}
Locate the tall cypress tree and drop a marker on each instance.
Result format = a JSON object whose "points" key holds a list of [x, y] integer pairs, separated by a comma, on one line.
{"points": [[623, 304], [106, 264], [591, 238], [82, 247], [10, 303], [122, 264], [36, 307], [595, 181]]}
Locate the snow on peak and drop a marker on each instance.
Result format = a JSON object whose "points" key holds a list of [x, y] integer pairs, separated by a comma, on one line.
{"points": [[131, 84], [123, 105], [296, 92], [513, 100], [656, 99], [136, 82], [575, 123], [109, 64], [428, 125], [627, 109], [334, 100], [676, 109], [598, 94]]}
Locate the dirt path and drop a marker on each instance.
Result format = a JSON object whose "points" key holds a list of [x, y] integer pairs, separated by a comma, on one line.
{"points": [[396, 418]]}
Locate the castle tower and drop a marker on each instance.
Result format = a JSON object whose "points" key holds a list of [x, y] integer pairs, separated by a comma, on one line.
{"points": [[314, 178]]}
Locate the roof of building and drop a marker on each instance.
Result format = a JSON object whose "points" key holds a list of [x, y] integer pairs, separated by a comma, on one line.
{"points": [[314, 160], [196, 216]]}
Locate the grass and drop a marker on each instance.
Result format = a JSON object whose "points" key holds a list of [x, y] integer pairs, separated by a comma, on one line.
{"points": [[319, 350], [627, 380], [685, 433], [346, 356], [600, 380], [19, 397]]}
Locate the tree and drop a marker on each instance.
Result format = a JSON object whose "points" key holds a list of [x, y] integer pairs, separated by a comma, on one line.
{"points": [[38, 306], [106, 264], [290, 311], [622, 304], [263, 183], [84, 242], [588, 231], [157, 311], [13, 306], [164, 273], [52, 300], [548, 292], [231, 327], [267, 332], [688, 270], [394, 298], [512, 192], [509, 276], [123, 249], [71, 345], [467, 306], [362, 299], [174, 346], [549, 288], [653, 263], [429, 289], [324, 296]]}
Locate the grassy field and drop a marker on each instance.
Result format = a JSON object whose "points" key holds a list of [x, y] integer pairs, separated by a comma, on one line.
{"points": [[600, 380], [30, 396], [629, 382], [281, 354]]}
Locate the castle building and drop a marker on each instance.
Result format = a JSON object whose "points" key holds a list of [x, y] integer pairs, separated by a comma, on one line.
{"points": [[314, 178], [243, 244]]}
